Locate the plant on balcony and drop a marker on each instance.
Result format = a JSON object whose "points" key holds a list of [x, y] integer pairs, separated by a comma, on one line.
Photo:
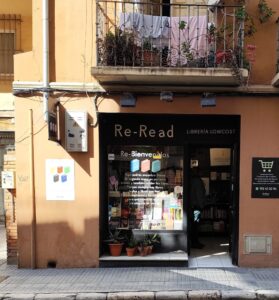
{"points": [[265, 12], [232, 56], [185, 47], [118, 48], [150, 53]]}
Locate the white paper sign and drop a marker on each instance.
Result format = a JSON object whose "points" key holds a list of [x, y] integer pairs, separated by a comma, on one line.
{"points": [[8, 180], [76, 131], [220, 156], [60, 179]]}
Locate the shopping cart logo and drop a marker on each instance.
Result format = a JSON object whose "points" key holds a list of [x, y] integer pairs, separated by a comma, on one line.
{"points": [[266, 165]]}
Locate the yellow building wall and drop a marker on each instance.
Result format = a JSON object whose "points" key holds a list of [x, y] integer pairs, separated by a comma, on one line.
{"points": [[66, 231], [72, 50], [24, 38], [73, 43]]}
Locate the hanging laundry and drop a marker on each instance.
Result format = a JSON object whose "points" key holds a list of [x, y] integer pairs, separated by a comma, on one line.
{"points": [[147, 26], [188, 39]]}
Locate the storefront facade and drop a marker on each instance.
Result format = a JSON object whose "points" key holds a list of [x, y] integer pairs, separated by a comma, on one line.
{"points": [[112, 166], [129, 142], [146, 166]]}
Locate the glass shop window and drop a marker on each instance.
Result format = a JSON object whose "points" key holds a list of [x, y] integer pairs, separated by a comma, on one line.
{"points": [[145, 187]]}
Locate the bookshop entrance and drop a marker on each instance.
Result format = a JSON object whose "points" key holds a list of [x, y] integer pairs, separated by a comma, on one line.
{"points": [[147, 161], [213, 210]]}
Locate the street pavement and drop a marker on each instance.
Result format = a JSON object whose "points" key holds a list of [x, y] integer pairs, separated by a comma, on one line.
{"points": [[154, 283]]}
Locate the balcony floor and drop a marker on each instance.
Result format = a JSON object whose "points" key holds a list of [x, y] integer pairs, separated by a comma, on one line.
{"points": [[140, 78]]}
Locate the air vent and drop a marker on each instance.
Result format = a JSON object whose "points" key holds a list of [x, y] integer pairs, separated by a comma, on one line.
{"points": [[258, 244]]}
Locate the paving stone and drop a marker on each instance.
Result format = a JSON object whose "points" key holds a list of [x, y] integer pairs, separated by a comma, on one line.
{"points": [[2, 278], [268, 294], [55, 296], [91, 296], [238, 295], [205, 294], [171, 295], [131, 296], [19, 296]]}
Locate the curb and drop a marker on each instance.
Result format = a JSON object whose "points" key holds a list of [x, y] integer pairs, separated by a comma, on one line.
{"points": [[267, 294], [162, 295], [238, 294]]}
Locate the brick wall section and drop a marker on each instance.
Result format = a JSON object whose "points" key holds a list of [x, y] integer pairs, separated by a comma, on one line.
{"points": [[10, 208]]}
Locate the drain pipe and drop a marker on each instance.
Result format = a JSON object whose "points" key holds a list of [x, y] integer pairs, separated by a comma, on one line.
{"points": [[45, 58], [32, 192]]}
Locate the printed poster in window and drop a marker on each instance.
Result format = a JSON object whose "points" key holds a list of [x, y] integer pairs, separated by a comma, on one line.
{"points": [[76, 131], [60, 179]]}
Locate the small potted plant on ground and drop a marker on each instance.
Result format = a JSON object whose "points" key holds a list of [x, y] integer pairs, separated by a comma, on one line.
{"points": [[148, 242], [151, 241], [143, 248], [132, 246], [115, 242]]}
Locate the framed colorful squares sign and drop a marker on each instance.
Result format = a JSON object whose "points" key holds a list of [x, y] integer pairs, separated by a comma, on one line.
{"points": [[60, 179]]}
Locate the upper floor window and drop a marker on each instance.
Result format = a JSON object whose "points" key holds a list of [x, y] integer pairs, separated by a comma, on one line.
{"points": [[10, 43], [7, 50]]}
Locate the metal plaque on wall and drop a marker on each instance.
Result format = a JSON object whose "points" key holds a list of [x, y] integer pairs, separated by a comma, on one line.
{"points": [[52, 126], [265, 177]]}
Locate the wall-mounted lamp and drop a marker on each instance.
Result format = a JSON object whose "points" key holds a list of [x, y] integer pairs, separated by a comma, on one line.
{"points": [[128, 100], [166, 96], [208, 100]]}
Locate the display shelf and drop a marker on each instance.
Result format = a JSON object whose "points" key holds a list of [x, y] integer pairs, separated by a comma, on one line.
{"points": [[215, 214]]}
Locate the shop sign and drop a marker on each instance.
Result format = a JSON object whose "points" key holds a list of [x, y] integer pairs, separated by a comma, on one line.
{"points": [[265, 177], [158, 128], [76, 131], [143, 131]]}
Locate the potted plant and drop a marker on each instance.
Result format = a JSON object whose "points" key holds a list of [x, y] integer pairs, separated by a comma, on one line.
{"points": [[148, 242], [150, 53], [115, 242], [118, 48], [131, 246], [151, 241], [143, 247], [265, 12]]}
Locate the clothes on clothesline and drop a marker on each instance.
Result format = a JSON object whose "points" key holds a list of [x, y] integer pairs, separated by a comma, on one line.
{"points": [[166, 31], [145, 25], [192, 36]]}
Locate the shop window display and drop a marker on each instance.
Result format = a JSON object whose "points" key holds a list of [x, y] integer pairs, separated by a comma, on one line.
{"points": [[145, 187]]}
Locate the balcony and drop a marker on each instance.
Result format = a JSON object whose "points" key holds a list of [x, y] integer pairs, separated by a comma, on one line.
{"points": [[178, 46]]}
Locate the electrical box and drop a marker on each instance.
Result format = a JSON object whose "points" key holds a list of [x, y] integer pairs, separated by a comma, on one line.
{"points": [[8, 179], [76, 131]]}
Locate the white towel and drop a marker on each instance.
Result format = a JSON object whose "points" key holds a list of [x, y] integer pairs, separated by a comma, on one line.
{"points": [[147, 26]]}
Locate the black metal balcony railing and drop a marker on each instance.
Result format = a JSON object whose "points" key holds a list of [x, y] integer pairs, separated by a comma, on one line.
{"points": [[143, 34]]}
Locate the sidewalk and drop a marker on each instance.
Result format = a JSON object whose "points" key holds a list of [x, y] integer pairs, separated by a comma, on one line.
{"points": [[138, 283]]}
